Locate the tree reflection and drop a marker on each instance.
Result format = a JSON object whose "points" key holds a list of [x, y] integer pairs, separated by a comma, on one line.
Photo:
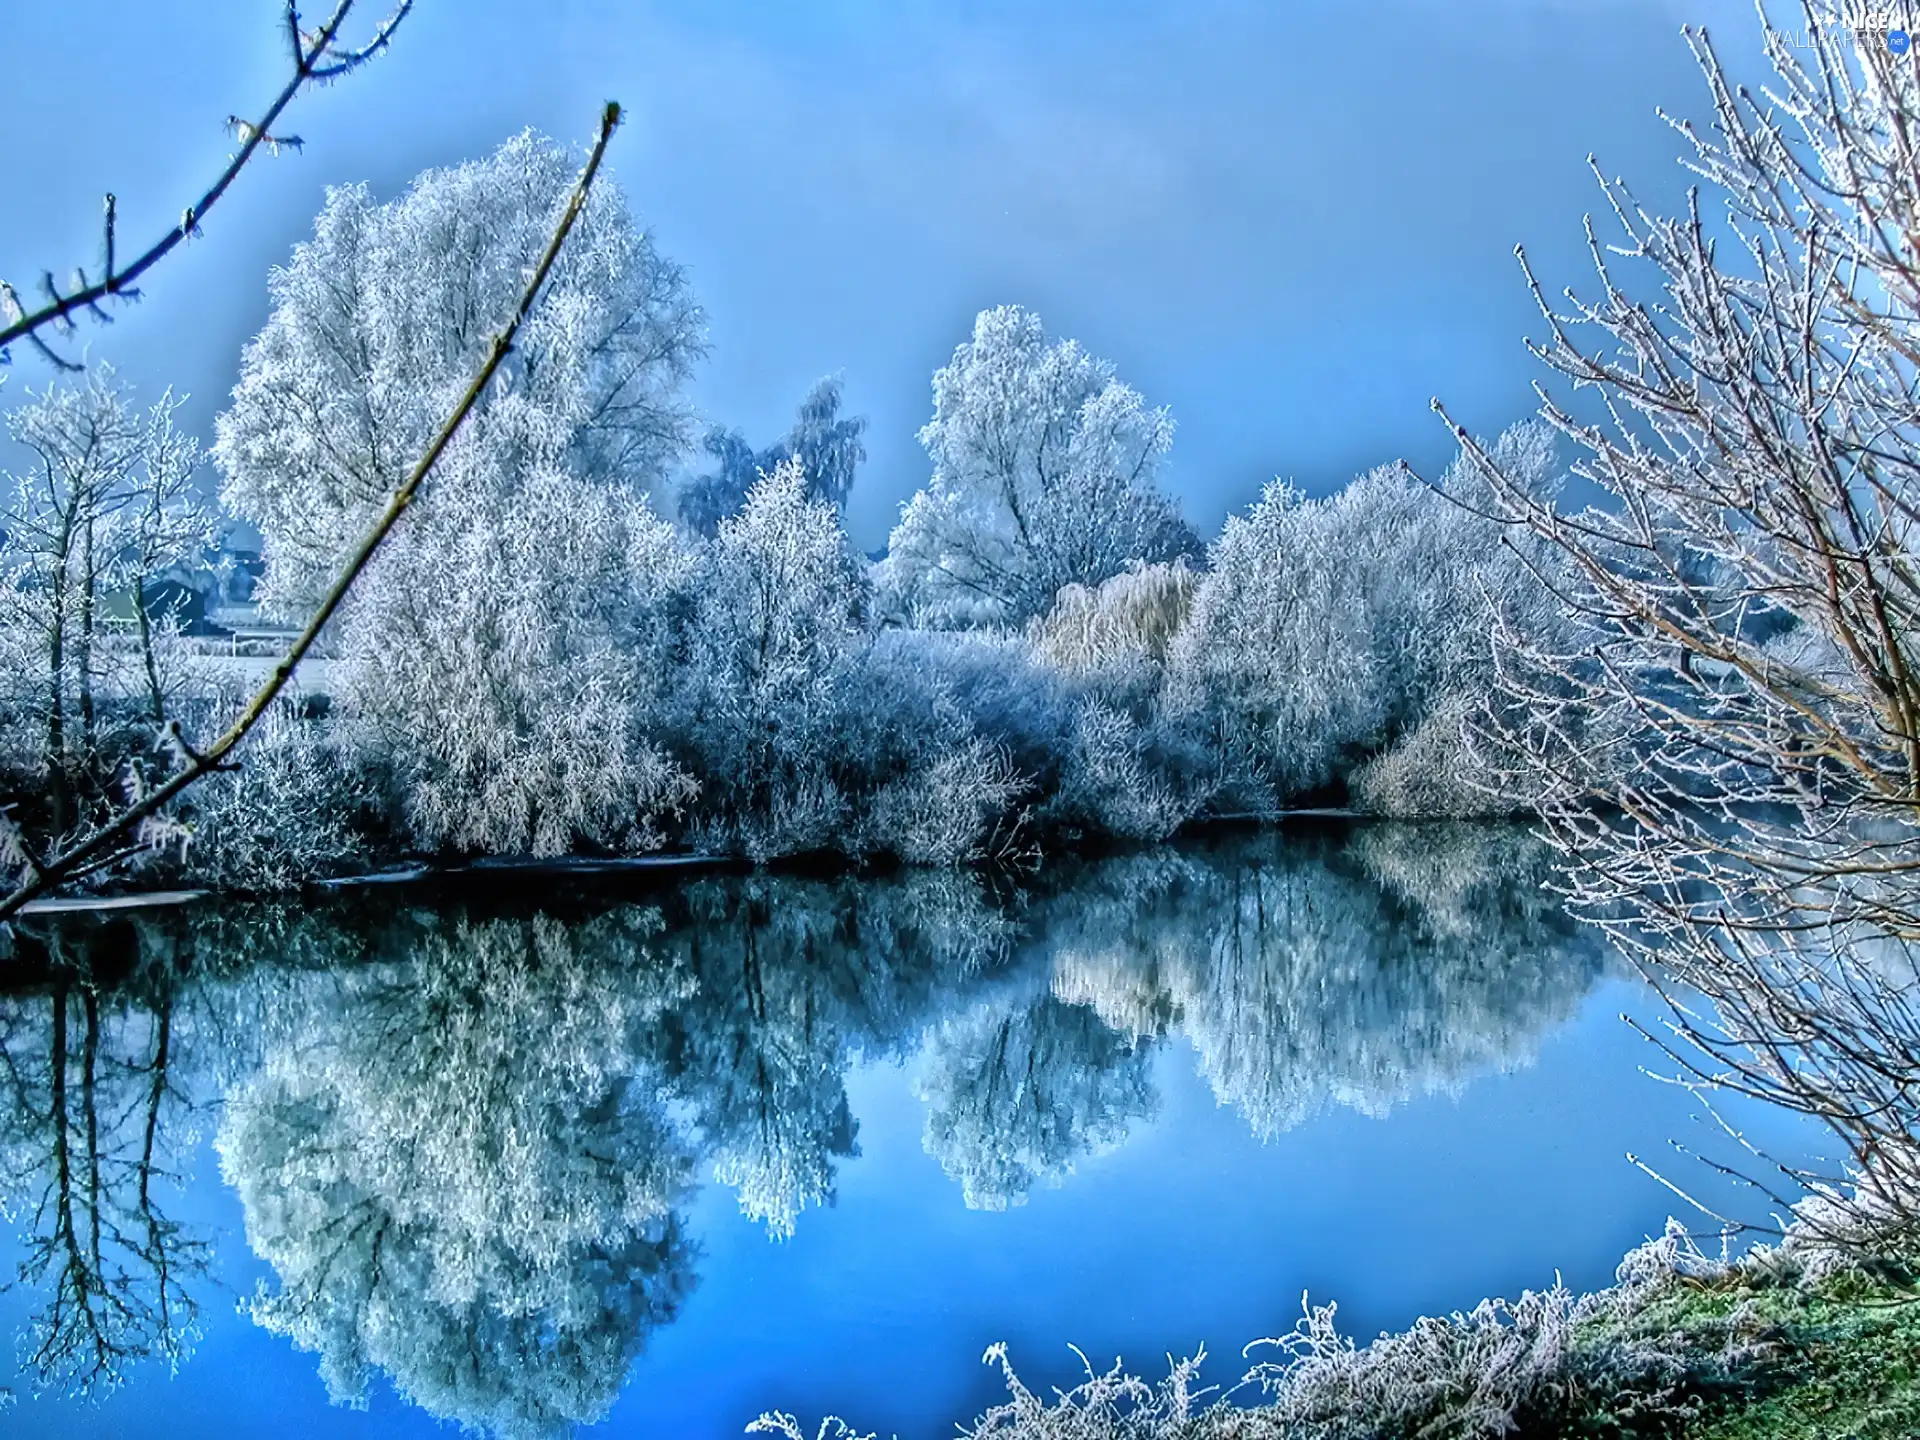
{"points": [[793, 979], [459, 1175], [464, 1138], [1357, 970], [1018, 1093], [85, 1081]]}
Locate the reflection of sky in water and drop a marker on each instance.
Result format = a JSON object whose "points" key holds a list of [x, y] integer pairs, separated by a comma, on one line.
{"points": [[1188, 1229]]}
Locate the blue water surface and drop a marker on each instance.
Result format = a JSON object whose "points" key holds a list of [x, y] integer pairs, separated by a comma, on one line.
{"points": [[1140, 1107]]}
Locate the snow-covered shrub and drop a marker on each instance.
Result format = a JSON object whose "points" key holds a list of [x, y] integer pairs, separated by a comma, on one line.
{"points": [[1110, 783], [1433, 769], [510, 668], [1536, 1365], [779, 603], [959, 807], [1127, 619], [286, 818]]}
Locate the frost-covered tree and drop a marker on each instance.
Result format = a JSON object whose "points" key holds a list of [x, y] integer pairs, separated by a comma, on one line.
{"points": [[780, 600], [505, 644], [827, 445], [1277, 653], [380, 320], [168, 525], [1128, 620], [1045, 470], [1326, 630], [84, 442], [109, 503]]}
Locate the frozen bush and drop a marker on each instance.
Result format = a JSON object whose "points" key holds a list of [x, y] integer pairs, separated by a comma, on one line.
{"points": [[1128, 619], [509, 667], [284, 819], [1435, 769], [1109, 782], [779, 604], [953, 810]]}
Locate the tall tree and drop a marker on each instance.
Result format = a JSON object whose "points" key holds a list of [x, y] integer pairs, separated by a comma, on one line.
{"points": [[780, 602], [827, 445], [380, 319], [499, 645], [1045, 470]]}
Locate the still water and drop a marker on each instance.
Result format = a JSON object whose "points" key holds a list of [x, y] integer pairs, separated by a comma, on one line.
{"points": [[655, 1159]]}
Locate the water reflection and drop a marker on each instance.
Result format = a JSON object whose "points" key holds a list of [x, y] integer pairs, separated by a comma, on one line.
{"points": [[85, 1081], [459, 1167], [464, 1137]]}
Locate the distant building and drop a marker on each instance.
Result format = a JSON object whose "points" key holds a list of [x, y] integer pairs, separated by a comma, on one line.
{"points": [[177, 593]]}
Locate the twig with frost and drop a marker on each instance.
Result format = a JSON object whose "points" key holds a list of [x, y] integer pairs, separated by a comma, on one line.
{"points": [[318, 57]]}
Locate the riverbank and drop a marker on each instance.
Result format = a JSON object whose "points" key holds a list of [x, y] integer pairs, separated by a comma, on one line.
{"points": [[1799, 1341]]}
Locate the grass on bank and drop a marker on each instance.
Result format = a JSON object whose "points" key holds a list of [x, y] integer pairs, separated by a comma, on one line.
{"points": [[1799, 1341]]}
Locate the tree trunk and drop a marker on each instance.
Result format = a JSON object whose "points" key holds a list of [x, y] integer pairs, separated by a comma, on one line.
{"points": [[59, 799], [157, 704], [83, 650]]}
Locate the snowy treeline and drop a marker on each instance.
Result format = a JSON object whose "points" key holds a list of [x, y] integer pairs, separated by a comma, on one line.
{"points": [[464, 1138], [576, 642]]}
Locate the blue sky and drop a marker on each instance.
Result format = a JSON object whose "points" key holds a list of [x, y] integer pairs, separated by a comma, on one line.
{"points": [[1290, 222]]}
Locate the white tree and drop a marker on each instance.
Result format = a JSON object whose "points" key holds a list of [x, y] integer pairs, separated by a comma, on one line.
{"points": [[167, 526], [110, 503], [513, 669], [1044, 474], [506, 644], [1329, 629], [85, 443], [781, 599], [1277, 651], [378, 323], [1746, 604]]}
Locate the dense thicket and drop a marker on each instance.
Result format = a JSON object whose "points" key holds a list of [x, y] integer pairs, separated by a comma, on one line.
{"points": [[570, 646]]}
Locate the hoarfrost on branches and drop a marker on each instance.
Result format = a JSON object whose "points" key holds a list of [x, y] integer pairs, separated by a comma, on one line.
{"points": [[1045, 470], [826, 445], [379, 321], [503, 649]]}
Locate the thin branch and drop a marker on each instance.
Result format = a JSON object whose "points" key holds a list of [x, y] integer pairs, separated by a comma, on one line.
{"points": [[315, 60]]}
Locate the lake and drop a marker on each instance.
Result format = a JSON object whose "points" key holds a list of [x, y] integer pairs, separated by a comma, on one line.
{"points": [[534, 1153]]}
